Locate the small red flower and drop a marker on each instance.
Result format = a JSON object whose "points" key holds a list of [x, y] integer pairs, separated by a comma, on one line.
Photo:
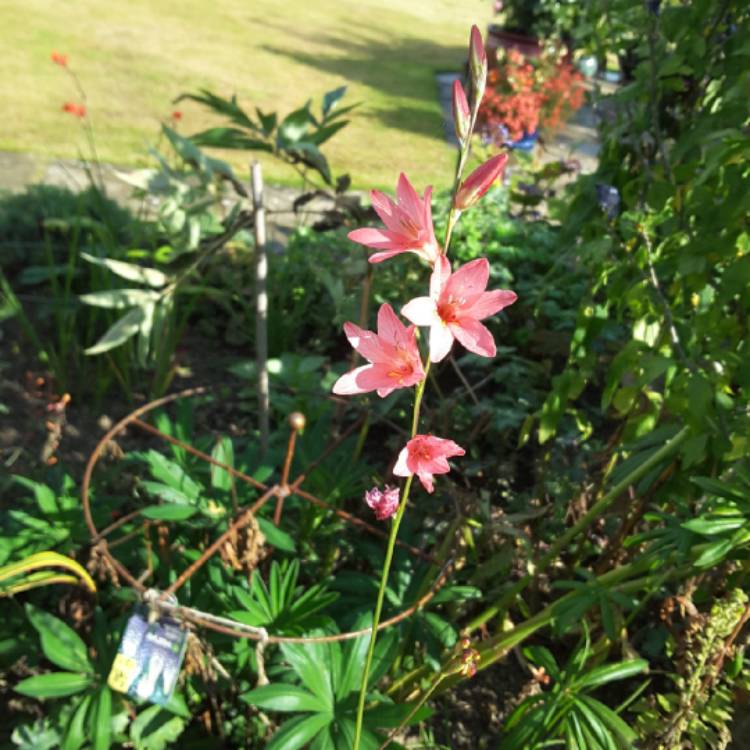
{"points": [[176, 115], [59, 59], [78, 110]]}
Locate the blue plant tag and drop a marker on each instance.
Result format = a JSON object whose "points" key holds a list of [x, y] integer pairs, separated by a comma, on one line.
{"points": [[149, 657]]}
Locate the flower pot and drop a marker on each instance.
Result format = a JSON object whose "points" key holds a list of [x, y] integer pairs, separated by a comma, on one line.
{"points": [[500, 38]]}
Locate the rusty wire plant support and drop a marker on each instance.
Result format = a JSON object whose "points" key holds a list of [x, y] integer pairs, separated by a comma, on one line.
{"points": [[243, 517]]}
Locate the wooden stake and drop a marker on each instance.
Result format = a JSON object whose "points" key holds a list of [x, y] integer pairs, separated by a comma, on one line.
{"points": [[261, 305]]}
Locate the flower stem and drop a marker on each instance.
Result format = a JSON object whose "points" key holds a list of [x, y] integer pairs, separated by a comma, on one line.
{"points": [[387, 567]]}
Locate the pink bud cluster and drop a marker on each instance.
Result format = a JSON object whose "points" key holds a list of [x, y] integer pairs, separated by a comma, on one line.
{"points": [[385, 503], [457, 300]]}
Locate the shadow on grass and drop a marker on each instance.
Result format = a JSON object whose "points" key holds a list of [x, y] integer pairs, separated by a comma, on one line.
{"points": [[402, 69]]}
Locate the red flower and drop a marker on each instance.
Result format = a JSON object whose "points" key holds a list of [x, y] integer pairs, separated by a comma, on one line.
{"points": [[74, 109], [59, 59], [176, 115]]}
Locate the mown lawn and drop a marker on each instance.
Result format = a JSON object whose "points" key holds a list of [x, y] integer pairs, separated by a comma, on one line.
{"points": [[135, 56]]}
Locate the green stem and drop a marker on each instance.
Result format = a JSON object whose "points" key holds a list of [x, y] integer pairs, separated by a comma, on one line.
{"points": [[453, 217], [386, 569], [583, 523]]}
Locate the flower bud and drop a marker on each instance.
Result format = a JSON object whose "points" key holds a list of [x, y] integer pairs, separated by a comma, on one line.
{"points": [[461, 113], [297, 420], [479, 182], [477, 66]]}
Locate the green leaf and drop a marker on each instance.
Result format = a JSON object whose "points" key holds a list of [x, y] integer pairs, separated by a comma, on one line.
{"points": [[710, 526], [131, 272], [155, 729], [230, 138], [713, 553], [101, 719], [612, 672], [392, 715], [294, 127], [281, 697], [53, 685], [172, 512], [223, 452], [332, 98], [625, 734], [311, 665], [275, 536], [126, 327], [267, 121], [222, 106], [75, 733], [45, 497], [297, 732], [60, 643], [120, 299]]}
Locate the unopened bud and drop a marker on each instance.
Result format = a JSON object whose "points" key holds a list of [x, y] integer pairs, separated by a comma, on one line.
{"points": [[479, 182], [297, 420], [477, 66], [461, 113]]}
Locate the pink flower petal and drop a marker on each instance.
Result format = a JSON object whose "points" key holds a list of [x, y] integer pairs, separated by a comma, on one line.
{"points": [[426, 479], [407, 196], [441, 274], [390, 328], [474, 337], [441, 341], [422, 311], [367, 343], [469, 280], [490, 303], [401, 469], [348, 384]]}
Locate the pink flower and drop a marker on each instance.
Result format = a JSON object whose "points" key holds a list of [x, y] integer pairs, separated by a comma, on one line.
{"points": [[59, 59], [408, 223], [392, 351], [480, 181], [456, 304], [385, 503], [425, 455]]}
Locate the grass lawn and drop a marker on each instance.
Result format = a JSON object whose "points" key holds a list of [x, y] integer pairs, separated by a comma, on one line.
{"points": [[135, 56]]}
